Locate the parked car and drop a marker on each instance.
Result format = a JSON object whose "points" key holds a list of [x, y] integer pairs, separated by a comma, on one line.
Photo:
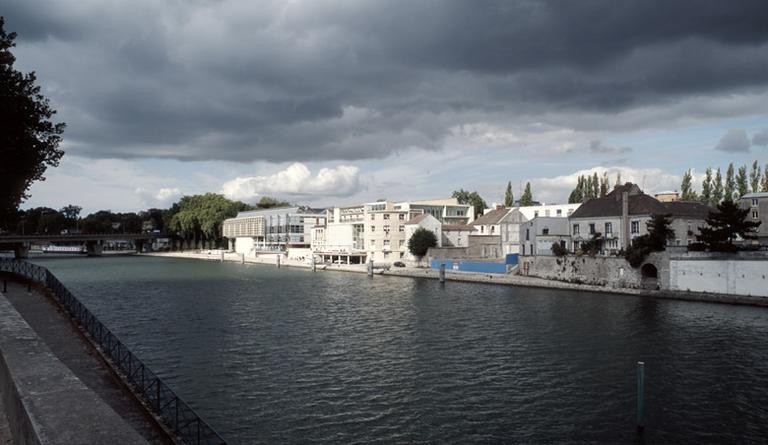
{"points": [[398, 264]]}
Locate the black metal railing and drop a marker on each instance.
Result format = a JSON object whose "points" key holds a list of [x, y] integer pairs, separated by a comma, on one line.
{"points": [[176, 414]]}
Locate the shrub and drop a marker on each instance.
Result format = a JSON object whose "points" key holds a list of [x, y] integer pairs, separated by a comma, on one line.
{"points": [[558, 249]]}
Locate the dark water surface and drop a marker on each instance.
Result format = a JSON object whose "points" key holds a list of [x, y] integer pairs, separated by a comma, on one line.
{"points": [[291, 356]]}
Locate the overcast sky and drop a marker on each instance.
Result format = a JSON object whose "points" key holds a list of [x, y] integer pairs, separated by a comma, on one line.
{"points": [[337, 102]]}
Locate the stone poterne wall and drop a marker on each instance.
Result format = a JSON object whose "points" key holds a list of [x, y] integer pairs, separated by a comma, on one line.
{"points": [[599, 271]]}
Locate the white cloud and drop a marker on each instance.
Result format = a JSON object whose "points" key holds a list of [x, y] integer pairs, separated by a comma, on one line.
{"points": [[296, 180], [651, 180], [161, 199]]}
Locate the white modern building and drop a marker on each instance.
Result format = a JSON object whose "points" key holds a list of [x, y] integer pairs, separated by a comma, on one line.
{"points": [[272, 230], [424, 221]]}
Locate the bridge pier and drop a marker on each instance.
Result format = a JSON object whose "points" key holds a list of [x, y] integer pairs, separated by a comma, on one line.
{"points": [[94, 248], [21, 251]]}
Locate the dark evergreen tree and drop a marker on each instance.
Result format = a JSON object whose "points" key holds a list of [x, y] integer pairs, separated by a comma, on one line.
{"points": [[717, 188], [742, 184], [724, 225], [527, 198], [686, 187], [730, 184]]}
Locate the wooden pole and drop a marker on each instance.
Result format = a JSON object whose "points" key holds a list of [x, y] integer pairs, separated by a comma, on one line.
{"points": [[278, 261], [314, 266], [370, 267], [640, 397], [442, 272]]}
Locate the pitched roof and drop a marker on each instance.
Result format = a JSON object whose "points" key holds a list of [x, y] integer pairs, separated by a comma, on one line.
{"points": [[492, 217], [687, 209], [457, 228], [610, 205], [418, 219], [755, 195]]}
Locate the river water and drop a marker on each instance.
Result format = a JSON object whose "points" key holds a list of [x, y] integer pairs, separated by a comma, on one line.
{"points": [[291, 356]]}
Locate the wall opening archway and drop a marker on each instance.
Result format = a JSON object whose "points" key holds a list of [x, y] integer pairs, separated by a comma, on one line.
{"points": [[649, 276]]}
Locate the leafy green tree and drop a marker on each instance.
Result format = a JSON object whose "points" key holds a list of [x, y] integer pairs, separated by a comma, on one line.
{"points": [[577, 194], [686, 187], [40, 221], [267, 202], [730, 183], [72, 215], [527, 198], [199, 217], [421, 241], [724, 225], [558, 249], [742, 185], [509, 198], [717, 188], [471, 198], [706, 187], [29, 141], [754, 177]]}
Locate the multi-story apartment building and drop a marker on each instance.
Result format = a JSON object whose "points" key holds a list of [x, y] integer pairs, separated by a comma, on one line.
{"points": [[538, 235], [376, 230], [757, 203], [272, 229]]}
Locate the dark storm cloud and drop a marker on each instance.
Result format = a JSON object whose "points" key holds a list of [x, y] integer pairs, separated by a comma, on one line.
{"points": [[350, 80]]}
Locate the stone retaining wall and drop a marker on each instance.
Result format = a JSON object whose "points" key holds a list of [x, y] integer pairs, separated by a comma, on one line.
{"points": [[597, 271], [44, 401]]}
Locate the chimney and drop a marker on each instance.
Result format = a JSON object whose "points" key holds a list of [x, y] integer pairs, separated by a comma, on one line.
{"points": [[625, 219]]}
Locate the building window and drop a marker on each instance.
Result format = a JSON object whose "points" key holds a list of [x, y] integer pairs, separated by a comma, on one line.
{"points": [[386, 243], [559, 212], [545, 231], [372, 216], [373, 244], [402, 255], [591, 228], [570, 211], [401, 217], [401, 228], [546, 212], [755, 214], [386, 216], [608, 228], [386, 255], [401, 243], [634, 227], [493, 229], [535, 213], [373, 228], [575, 229], [527, 234], [386, 228], [754, 202]]}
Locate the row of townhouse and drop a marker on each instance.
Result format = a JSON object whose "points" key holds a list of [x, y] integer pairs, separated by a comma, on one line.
{"points": [[380, 231], [377, 231]]}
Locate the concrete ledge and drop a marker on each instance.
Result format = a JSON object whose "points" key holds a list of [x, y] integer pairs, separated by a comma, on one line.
{"points": [[44, 401]]}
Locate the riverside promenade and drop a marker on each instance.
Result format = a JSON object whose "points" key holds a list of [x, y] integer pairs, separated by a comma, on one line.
{"points": [[472, 277], [55, 387]]}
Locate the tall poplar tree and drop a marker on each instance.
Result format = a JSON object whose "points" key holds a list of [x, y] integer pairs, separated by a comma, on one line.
{"points": [[742, 184], [730, 183], [764, 186], [754, 177], [595, 185], [717, 188], [509, 198], [706, 187], [604, 185], [686, 187], [527, 198]]}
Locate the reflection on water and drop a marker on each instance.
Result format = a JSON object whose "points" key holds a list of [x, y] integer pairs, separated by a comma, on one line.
{"points": [[268, 355]]}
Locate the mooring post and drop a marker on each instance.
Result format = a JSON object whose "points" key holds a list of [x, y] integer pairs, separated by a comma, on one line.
{"points": [[314, 266], [370, 267], [242, 258], [442, 272], [640, 397], [222, 256], [278, 261]]}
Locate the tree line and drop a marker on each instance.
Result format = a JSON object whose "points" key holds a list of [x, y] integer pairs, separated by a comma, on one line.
{"points": [[194, 221], [591, 187], [715, 190]]}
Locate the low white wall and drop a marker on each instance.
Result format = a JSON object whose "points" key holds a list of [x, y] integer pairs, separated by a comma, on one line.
{"points": [[730, 277]]}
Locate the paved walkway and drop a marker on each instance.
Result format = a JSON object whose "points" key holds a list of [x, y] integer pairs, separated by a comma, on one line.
{"points": [[56, 330]]}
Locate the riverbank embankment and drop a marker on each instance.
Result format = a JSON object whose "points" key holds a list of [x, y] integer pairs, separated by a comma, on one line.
{"points": [[473, 277], [55, 389]]}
